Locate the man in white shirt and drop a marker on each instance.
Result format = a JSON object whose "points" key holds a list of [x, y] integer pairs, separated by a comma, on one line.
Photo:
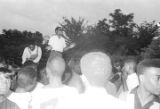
{"points": [[146, 94], [27, 86], [129, 68], [50, 95], [96, 70], [57, 44], [32, 53]]}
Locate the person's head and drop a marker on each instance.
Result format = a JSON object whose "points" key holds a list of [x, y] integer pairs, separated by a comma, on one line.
{"points": [[27, 78], [5, 81], [129, 65], [59, 31], [74, 65], [32, 45], [96, 67], [31, 64], [148, 72], [42, 75], [55, 67]]}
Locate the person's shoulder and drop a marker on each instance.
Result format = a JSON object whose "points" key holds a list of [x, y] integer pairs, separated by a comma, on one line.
{"points": [[11, 104]]}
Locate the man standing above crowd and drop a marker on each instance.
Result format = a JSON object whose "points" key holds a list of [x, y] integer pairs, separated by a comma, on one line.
{"points": [[57, 43]]}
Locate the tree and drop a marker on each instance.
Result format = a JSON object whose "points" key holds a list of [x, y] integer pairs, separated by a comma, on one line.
{"points": [[73, 28], [153, 50], [122, 32], [122, 24], [146, 32], [14, 41]]}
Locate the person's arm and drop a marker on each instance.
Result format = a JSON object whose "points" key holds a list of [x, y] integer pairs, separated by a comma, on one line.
{"points": [[39, 55], [50, 44], [25, 55], [69, 47]]}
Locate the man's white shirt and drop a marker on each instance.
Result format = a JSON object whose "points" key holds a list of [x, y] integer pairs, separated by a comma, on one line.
{"points": [[24, 100], [37, 53], [49, 98], [92, 98], [132, 81], [57, 43]]}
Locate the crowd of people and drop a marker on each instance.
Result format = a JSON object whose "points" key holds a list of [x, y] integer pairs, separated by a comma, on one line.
{"points": [[94, 81]]}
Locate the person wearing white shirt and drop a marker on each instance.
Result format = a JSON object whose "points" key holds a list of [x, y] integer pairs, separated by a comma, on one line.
{"points": [[50, 95], [27, 87], [32, 53], [146, 94], [96, 70], [130, 69], [57, 44]]}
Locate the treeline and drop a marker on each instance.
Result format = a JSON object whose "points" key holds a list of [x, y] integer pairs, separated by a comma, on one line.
{"points": [[119, 35]]}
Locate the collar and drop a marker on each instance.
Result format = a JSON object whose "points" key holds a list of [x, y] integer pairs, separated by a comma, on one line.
{"points": [[137, 103]]}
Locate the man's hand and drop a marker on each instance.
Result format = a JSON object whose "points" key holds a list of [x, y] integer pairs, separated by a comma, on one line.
{"points": [[70, 46]]}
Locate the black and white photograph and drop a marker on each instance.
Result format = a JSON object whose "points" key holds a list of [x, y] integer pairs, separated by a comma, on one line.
{"points": [[79, 54]]}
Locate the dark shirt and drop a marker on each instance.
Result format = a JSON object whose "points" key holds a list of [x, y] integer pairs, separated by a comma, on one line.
{"points": [[137, 103]]}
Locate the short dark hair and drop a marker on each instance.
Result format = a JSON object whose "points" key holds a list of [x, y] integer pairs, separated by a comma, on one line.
{"points": [[57, 28], [26, 76], [147, 63]]}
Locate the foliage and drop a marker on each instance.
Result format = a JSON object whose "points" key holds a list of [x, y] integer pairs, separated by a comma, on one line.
{"points": [[14, 41], [153, 50], [73, 28]]}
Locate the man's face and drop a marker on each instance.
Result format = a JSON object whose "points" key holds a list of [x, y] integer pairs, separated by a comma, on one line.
{"points": [[151, 80], [32, 47], [4, 83], [59, 32]]}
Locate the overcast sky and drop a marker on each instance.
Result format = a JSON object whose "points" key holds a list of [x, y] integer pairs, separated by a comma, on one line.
{"points": [[44, 15]]}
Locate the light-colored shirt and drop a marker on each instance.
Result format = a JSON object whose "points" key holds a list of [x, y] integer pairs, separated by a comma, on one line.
{"points": [[24, 100], [49, 98], [132, 81], [93, 98], [36, 54], [57, 44]]}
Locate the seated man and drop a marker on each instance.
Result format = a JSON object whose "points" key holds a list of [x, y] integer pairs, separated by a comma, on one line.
{"points": [[4, 90], [146, 95], [26, 87], [32, 53], [50, 95]]}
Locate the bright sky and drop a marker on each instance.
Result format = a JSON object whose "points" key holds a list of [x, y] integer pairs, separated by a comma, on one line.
{"points": [[45, 15]]}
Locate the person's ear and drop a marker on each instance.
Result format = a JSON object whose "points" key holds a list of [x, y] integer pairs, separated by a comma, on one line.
{"points": [[141, 78]]}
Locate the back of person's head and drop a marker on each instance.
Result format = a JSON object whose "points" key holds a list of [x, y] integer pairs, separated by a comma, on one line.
{"points": [[42, 75], [146, 64], [74, 65], [31, 64], [96, 67], [55, 67], [130, 65], [27, 78]]}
